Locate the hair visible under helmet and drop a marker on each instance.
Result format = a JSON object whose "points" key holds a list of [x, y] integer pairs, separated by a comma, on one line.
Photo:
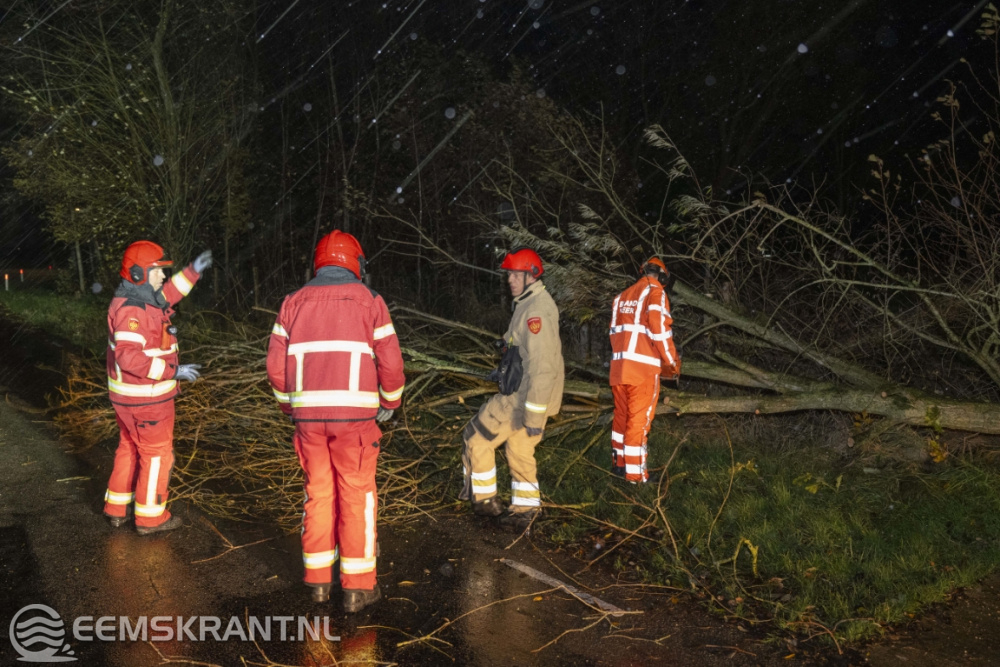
{"points": [[139, 258], [526, 260]]}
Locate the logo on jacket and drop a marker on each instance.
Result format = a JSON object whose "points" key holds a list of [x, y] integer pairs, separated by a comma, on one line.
{"points": [[535, 324], [38, 633], [133, 324]]}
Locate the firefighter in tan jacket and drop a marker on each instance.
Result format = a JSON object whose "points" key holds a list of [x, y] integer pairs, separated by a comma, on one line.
{"points": [[531, 387]]}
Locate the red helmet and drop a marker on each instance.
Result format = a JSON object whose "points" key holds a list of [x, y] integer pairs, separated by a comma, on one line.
{"points": [[139, 258], [339, 249], [658, 263], [525, 259]]}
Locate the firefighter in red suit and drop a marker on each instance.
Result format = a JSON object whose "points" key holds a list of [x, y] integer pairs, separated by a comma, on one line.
{"points": [[643, 349], [335, 366], [143, 372]]}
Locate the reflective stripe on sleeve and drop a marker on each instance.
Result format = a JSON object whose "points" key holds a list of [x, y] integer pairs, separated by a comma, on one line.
{"points": [[281, 396], [156, 369], [384, 331], [181, 283], [279, 330], [130, 336], [534, 407], [391, 395], [157, 352]]}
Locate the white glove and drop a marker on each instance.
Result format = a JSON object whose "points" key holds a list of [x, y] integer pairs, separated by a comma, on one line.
{"points": [[188, 372], [384, 414], [202, 261]]}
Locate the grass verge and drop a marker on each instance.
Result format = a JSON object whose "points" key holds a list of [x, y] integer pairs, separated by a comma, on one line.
{"points": [[80, 320], [788, 531]]}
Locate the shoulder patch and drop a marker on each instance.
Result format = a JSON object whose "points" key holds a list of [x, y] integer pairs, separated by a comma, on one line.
{"points": [[534, 324], [133, 324]]}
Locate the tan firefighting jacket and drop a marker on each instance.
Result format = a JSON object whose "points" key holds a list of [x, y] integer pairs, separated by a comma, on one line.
{"points": [[534, 328]]}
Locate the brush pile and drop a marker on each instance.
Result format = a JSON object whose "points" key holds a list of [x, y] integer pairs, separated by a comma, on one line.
{"points": [[233, 448]]}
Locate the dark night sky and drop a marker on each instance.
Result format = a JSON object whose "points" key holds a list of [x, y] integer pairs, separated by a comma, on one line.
{"points": [[795, 90]]}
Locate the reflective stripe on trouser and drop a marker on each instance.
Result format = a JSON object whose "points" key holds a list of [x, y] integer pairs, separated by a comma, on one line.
{"points": [[143, 463], [635, 407], [482, 436], [341, 503]]}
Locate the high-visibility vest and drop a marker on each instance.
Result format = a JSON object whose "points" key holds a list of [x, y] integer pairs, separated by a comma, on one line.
{"points": [[641, 338]]}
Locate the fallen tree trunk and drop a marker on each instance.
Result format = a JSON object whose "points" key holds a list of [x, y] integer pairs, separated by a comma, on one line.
{"points": [[904, 406], [845, 370]]}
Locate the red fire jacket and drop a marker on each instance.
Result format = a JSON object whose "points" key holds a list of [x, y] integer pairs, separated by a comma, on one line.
{"points": [[142, 348], [641, 339], [333, 353]]}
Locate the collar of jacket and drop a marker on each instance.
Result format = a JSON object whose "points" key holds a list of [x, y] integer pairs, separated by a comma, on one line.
{"points": [[333, 275], [531, 290], [143, 293]]}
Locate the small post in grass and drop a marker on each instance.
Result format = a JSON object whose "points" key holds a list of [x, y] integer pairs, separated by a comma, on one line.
{"points": [[6, 282], [22, 274]]}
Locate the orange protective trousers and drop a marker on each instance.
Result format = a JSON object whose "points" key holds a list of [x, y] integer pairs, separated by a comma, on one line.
{"points": [[338, 519], [635, 407], [143, 462]]}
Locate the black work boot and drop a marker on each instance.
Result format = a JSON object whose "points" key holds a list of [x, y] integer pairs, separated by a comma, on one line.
{"points": [[489, 507], [618, 471], [356, 599], [118, 521], [320, 592], [519, 521], [169, 524]]}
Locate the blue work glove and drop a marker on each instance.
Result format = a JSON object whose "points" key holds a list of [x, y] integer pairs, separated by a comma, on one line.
{"points": [[188, 372], [384, 414], [202, 261], [532, 432]]}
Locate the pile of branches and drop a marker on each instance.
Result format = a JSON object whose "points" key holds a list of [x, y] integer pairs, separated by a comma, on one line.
{"points": [[233, 446]]}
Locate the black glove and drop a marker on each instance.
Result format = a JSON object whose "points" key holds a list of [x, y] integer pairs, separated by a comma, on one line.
{"points": [[532, 432], [384, 414]]}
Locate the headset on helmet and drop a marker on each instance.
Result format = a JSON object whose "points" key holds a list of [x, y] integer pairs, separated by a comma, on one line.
{"points": [[341, 249], [524, 259], [139, 258]]}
